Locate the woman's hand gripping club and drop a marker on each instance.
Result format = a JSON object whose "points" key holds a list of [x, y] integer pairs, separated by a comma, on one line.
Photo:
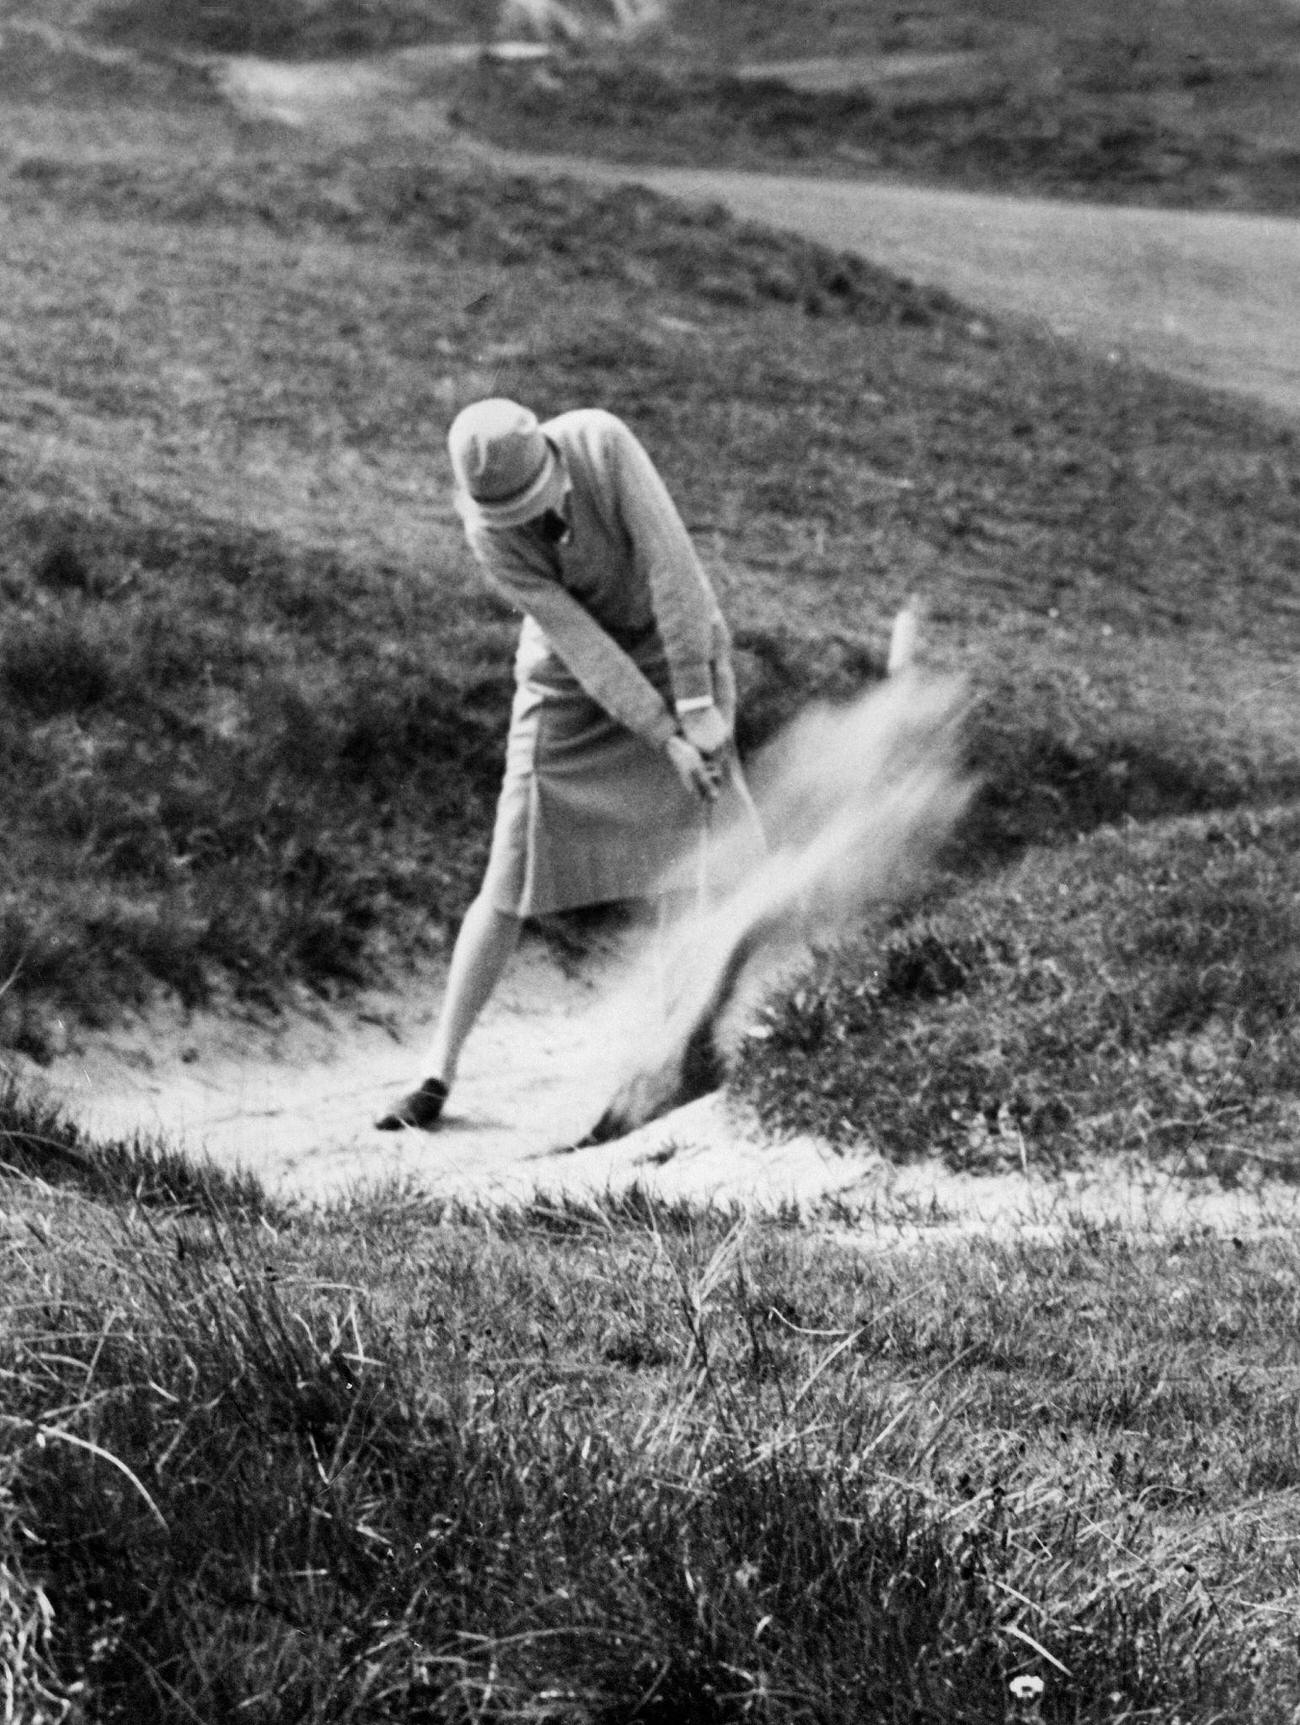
{"points": [[697, 751]]}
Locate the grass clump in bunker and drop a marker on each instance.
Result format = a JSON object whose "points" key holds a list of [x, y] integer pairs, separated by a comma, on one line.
{"points": [[1133, 992]]}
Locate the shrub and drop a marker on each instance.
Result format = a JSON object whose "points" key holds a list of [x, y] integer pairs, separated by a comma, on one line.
{"points": [[292, 27], [62, 568], [55, 665]]}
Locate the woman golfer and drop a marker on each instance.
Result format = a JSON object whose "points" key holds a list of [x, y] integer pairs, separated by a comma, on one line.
{"points": [[621, 730]]}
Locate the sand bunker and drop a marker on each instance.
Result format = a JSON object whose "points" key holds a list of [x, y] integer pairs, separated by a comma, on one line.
{"points": [[293, 1099]]}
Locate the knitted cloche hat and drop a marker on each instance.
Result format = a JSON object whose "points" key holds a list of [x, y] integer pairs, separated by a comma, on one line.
{"points": [[506, 472]]}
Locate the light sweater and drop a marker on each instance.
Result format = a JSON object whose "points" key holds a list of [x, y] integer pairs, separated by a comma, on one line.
{"points": [[627, 566]]}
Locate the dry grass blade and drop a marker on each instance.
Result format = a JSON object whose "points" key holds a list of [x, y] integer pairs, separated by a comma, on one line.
{"points": [[47, 1433]]}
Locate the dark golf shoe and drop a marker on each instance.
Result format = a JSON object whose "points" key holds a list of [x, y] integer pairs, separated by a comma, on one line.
{"points": [[422, 1109]]}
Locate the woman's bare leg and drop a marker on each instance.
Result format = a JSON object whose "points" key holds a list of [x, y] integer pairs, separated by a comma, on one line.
{"points": [[484, 947]]}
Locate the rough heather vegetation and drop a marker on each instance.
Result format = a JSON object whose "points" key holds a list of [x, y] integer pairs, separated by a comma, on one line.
{"points": [[1077, 142], [1189, 103]]}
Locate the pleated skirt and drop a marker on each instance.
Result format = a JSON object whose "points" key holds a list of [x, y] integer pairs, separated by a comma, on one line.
{"points": [[589, 812]]}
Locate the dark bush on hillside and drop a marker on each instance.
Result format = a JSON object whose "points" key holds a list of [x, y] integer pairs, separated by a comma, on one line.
{"points": [[55, 666], [1038, 788], [227, 27], [1133, 991], [40, 64], [1080, 138], [277, 27], [779, 669], [425, 731], [62, 568]]}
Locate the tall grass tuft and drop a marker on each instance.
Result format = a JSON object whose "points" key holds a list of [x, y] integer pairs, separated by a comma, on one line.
{"points": [[55, 666], [39, 1141], [30, 1688], [827, 1484]]}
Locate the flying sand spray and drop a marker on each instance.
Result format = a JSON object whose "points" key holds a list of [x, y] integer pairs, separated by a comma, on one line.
{"points": [[854, 803]]}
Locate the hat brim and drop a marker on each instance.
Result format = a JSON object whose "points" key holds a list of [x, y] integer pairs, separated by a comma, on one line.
{"points": [[545, 492]]}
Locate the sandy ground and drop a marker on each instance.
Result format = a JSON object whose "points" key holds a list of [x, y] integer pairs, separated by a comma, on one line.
{"points": [[1210, 297], [293, 1100]]}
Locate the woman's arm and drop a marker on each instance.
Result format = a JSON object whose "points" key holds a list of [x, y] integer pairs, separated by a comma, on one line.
{"points": [[685, 609], [595, 659]]}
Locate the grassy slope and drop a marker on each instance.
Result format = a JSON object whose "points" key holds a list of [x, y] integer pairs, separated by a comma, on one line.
{"points": [[633, 1465], [229, 549], [1135, 991], [1180, 103]]}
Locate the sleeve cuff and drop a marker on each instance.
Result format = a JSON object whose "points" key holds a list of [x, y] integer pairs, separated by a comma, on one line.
{"points": [[692, 704]]}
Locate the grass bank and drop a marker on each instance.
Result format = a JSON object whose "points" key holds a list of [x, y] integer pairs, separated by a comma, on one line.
{"points": [[251, 697], [1072, 131], [1132, 992], [1188, 103], [1181, 104], [645, 1465]]}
